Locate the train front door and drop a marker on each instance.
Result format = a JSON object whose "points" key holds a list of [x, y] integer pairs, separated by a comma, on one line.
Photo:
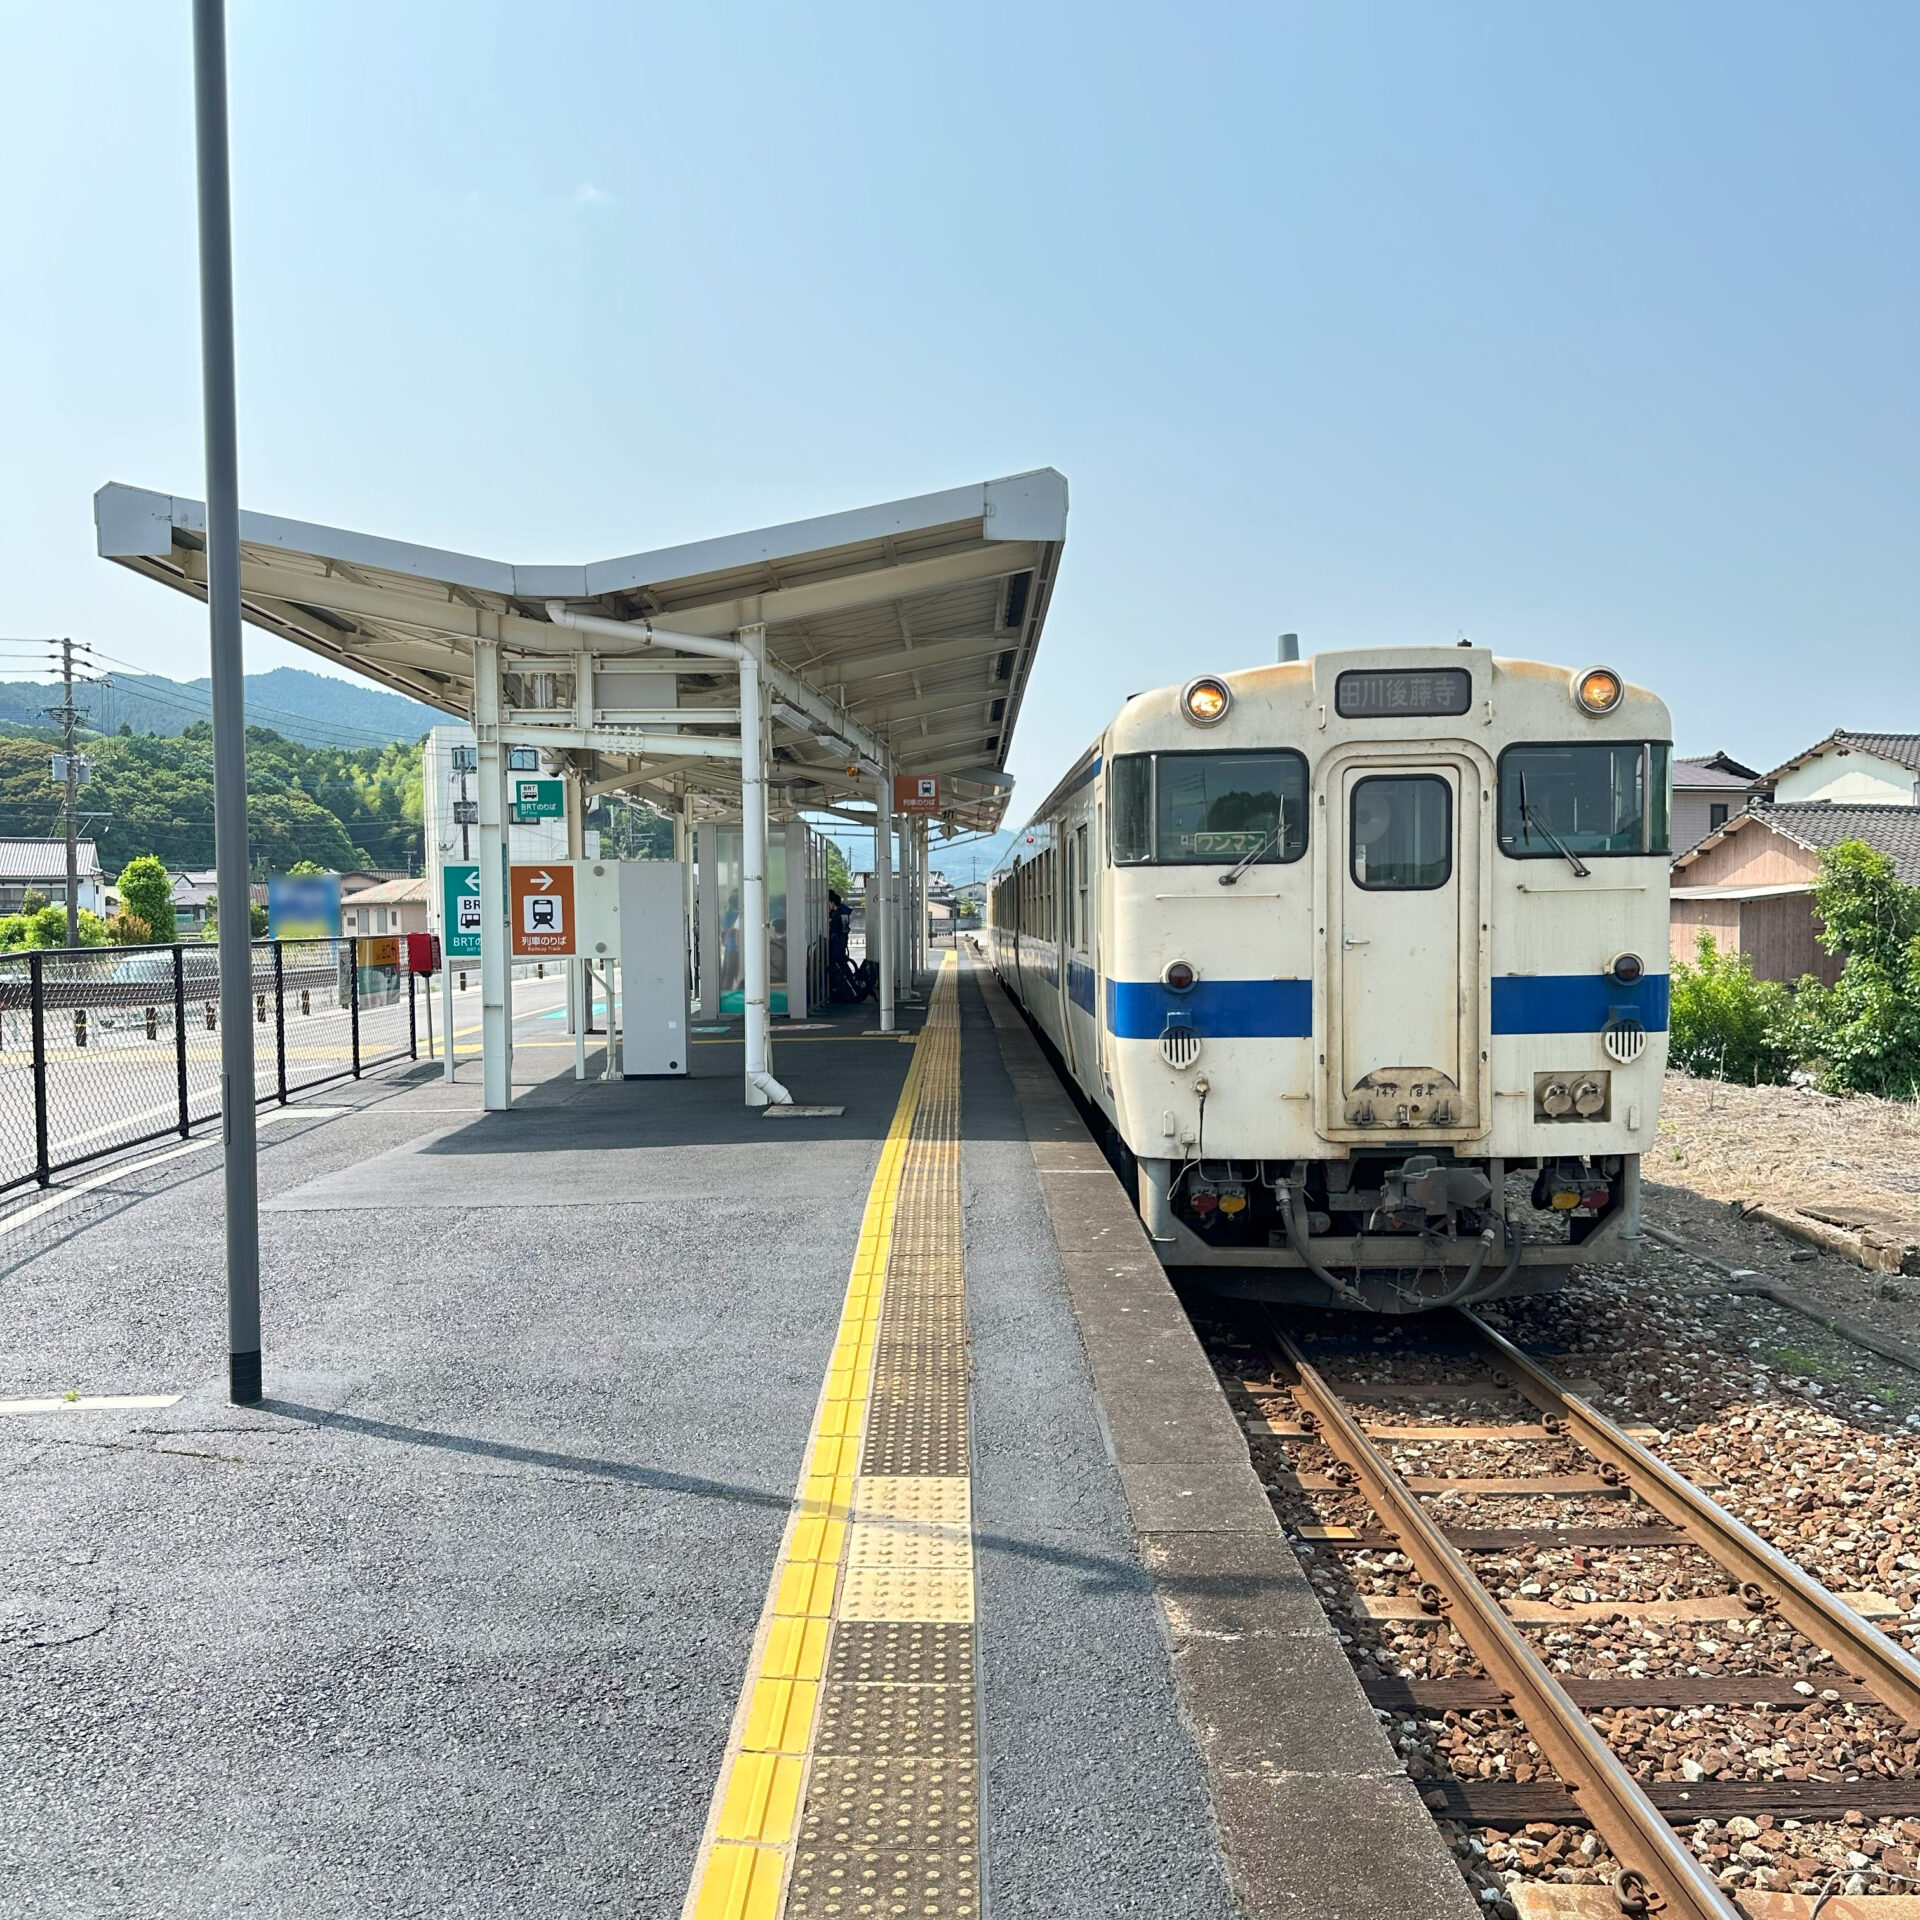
{"points": [[1402, 940]]}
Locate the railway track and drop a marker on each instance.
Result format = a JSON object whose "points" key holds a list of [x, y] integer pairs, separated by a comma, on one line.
{"points": [[1710, 1573]]}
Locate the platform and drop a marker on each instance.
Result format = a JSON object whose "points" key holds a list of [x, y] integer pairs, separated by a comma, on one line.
{"points": [[659, 1510]]}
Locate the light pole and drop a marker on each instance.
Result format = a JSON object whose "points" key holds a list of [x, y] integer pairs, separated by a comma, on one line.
{"points": [[232, 865]]}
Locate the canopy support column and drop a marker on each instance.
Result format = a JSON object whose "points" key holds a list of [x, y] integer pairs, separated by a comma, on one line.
{"points": [[880, 896], [496, 968], [762, 1088]]}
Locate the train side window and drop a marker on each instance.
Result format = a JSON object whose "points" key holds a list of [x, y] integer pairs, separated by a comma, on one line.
{"points": [[1591, 797], [1401, 833], [1130, 808], [1080, 939]]}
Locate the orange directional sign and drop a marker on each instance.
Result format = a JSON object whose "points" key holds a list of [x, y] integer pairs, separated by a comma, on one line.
{"points": [[916, 793], [540, 911]]}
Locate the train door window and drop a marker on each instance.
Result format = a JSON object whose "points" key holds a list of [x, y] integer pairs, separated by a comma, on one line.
{"points": [[1080, 888], [1400, 836]]}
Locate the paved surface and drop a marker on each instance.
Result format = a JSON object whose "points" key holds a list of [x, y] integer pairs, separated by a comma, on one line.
{"points": [[457, 1623]]}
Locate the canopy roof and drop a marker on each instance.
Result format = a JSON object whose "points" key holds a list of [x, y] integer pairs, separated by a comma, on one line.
{"points": [[920, 618]]}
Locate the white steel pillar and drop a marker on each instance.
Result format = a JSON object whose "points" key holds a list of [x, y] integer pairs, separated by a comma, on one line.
{"points": [[496, 968], [762, 1089], [880, 896]]}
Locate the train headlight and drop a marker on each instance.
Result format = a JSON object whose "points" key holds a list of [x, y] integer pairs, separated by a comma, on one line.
{"points": [[1599, 689], [1627, 968], [1206, 701], [1179, 976]]}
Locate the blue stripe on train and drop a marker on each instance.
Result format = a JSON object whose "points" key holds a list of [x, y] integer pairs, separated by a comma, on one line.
{"points": [[1575, 1002], [1283, 1009], [1080, 984], [1219, 1009]]}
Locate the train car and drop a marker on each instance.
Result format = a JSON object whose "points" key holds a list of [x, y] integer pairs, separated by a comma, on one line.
{"points": [[1361, 960]]}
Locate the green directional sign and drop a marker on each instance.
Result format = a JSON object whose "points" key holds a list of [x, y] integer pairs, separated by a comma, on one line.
{"points": [[460, 911], [538, 800]]}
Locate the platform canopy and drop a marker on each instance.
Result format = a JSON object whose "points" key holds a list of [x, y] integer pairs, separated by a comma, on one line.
{"points": [[905, 633]]}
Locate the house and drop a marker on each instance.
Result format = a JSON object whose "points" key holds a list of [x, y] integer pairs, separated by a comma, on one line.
{"points": [[391, 906], [1855, 769], [193, 888], [1707, 792], [40, 866], [1750, 884]]}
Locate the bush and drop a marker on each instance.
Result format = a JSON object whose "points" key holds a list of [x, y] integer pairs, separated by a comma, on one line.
{"points": [[48, 928], [146, 893], [126, 929], [1725, 1024]]}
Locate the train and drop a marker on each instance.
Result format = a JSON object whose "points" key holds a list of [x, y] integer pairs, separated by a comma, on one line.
{"points": [[1359, 964]]}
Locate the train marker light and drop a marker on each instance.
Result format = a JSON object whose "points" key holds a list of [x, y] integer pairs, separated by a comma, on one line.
{"points": [[1179, 976], [1599, 689], [1206, 701], [1627, 968]]}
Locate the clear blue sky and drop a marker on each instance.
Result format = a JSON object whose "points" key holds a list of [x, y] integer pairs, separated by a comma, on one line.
{"points": [[1590, 332]]}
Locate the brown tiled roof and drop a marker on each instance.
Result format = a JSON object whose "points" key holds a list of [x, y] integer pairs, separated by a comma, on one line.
{"points": [[1815, 824]]}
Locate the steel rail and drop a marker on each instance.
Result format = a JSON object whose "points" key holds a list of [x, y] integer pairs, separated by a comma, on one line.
{"points": [[1671, 1880], [1868, 1654]]}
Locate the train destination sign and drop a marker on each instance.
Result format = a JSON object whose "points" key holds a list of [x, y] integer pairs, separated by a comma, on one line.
{"points": [[1391, 693]]}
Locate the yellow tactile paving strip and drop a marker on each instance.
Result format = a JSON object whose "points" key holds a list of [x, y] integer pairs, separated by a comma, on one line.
{"points": [[850, 1785]]}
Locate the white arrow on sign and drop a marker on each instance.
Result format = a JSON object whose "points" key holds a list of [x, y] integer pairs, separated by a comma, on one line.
{"points": [[543, 880]]}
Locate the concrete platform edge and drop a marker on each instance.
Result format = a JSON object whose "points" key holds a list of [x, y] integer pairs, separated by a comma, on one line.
{"points": [[1313, 1811]]}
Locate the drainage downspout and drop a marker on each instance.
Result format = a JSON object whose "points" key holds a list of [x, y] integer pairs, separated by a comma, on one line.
{"points": [[753, 823]]}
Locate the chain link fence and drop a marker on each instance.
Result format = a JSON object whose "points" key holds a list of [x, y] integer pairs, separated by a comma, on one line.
{"points": [[104, 1048]]}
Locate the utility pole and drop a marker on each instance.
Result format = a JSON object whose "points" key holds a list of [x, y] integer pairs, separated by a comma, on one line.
{"points": [[233, 868], [66, 715]]}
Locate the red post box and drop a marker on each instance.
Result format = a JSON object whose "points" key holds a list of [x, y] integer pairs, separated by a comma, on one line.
{"points": [[421, 952]]}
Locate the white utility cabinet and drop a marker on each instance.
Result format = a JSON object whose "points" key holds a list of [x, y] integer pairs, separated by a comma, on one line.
{"points": [[655, 1013]]}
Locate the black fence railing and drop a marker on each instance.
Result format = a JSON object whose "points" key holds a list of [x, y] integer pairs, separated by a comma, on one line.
{"points": [[105, 1048]]}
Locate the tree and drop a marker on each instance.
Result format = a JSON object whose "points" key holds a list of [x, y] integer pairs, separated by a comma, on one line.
{"points": [[307, 869], [146, 893], [126, 929], [32, 902], [1864, 1031]]}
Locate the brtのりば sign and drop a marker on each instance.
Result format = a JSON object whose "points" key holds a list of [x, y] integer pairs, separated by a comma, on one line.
{"points": [[540, 911]]}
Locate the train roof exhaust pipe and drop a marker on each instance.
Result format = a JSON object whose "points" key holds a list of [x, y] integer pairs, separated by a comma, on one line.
{"points": [[1289, 647]]}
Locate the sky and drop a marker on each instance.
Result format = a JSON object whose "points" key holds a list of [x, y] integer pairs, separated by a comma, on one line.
{"points": [[1590, 333]]}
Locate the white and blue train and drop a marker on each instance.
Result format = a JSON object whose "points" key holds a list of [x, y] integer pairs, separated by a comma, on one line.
{"points": [[1362, 959]]}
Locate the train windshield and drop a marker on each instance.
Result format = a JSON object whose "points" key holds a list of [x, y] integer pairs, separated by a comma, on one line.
{"points": [[1209, 809], [1597, 797]]}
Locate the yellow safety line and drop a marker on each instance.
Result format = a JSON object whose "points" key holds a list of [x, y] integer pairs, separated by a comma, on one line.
{"points": [[741, 1870]]}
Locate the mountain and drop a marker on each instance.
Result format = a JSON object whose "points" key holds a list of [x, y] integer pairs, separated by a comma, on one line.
{"points": [[312, 708]]}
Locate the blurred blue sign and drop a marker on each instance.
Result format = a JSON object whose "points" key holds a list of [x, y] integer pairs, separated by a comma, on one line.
{"points": [[303, 906]]}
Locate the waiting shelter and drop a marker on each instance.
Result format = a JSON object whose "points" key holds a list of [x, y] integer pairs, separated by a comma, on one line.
{"points": [[812, 667]]}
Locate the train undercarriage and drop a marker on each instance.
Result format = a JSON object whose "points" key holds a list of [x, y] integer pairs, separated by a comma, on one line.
{"points": [[1391, 1230]]}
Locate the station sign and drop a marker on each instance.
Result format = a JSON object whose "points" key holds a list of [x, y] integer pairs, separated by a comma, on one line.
{"points": [[540, 912], [460, 911], [539, 800], [916, 793], [303, 906]]}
